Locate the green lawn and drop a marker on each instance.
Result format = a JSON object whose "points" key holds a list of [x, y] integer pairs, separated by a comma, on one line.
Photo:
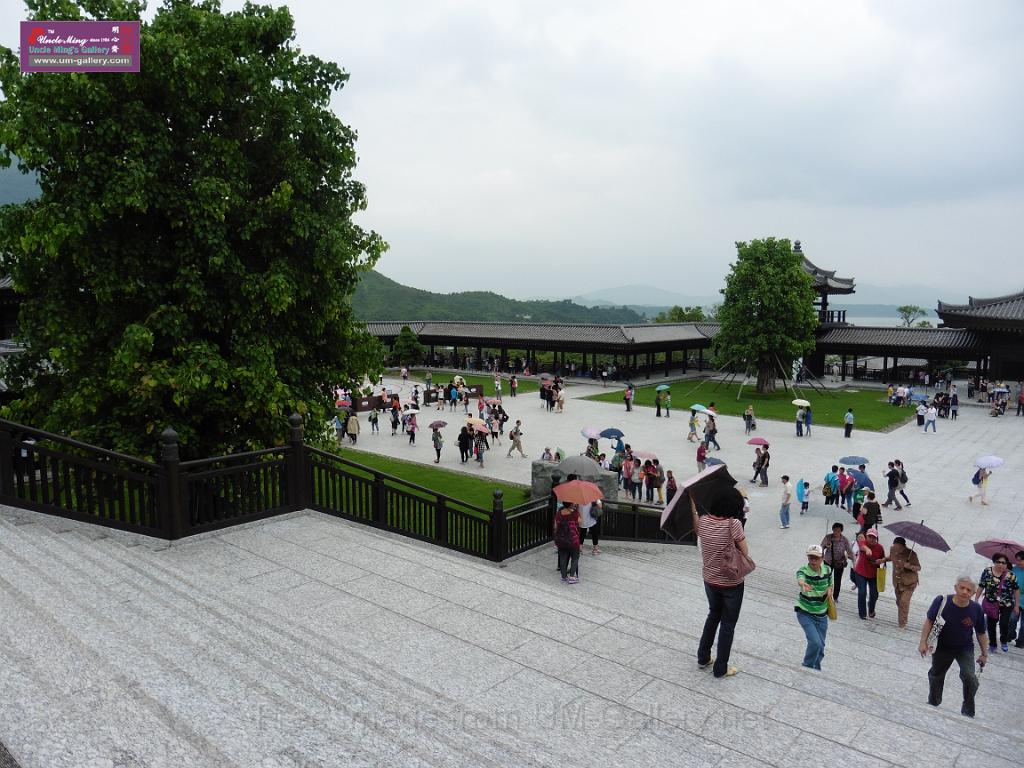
{"points": [[870, 410], [456, 485], [526, 386]]}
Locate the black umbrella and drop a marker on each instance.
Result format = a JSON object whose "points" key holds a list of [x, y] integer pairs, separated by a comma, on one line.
{"points": [[713, 490]]}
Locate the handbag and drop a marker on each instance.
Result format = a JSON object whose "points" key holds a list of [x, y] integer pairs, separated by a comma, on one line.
{"points": [[832, 613], [991, 609], [735, 565], [880, 579], [933, 636]]}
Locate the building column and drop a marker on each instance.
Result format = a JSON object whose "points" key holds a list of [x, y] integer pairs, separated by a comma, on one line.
{"points": [[700, 359], [479, 358], [854, 367], [668, 360], [885, 368], [843, 377], [686, 355]]}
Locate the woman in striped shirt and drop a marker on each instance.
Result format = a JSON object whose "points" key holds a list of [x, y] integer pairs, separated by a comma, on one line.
{"points": [[815, 580]]}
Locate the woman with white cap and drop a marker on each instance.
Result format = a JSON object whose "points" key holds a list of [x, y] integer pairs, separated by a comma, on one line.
{"points": [[815, 580]]}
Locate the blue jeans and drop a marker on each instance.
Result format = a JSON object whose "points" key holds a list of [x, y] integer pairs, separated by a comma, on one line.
{"points": [[848, 498], [784, 514], [927, 422], [865, 586], [724, 605], [815, 628]]}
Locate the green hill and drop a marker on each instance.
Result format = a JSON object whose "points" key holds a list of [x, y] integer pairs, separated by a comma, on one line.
{"points": [[380, 298]]}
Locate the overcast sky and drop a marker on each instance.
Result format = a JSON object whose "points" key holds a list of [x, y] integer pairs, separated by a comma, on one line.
{"points": [[540, 148]]}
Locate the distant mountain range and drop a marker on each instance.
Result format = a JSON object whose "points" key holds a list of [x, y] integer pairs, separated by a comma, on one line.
{"points": [[380, 298], [645, 298]]}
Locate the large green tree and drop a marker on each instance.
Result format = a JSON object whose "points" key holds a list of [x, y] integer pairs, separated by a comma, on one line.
{"points": [[407, 348], [767, 314], [190, 259]]}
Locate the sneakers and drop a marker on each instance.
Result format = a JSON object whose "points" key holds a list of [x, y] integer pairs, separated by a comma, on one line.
{"points": [[596, 550], [1005, 647], [783, 527], [573, 580]]}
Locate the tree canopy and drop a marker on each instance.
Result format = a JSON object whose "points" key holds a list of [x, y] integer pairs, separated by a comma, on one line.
{"points": [[767, 314], [909, 313], [408, 348], [190, 259], [679, 314]]}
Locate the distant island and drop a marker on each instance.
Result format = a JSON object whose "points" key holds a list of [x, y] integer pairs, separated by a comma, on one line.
{"points": [[379, 298]]}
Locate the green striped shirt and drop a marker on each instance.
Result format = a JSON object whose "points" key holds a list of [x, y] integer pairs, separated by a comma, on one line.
{"points": [[814, 601]]}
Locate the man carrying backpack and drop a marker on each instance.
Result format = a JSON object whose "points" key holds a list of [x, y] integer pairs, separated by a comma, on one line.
{"points": [[517, 437]]}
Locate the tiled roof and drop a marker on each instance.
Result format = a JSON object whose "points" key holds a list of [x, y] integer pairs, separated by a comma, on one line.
{"points": [[865, 337], [826, 280], [552, 333], [1000, 308]]}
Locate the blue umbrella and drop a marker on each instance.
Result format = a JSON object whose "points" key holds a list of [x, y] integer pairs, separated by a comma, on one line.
{"points": [[612, 433], [919, 398], [662, 387], [862, 479], [713, 461], [853, 460]]}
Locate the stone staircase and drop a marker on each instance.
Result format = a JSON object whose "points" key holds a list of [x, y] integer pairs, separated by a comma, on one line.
{"points": [[309, 641]]}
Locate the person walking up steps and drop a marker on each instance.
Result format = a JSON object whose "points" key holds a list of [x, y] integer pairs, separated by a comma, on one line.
{"points": [[815, 582], [962, 622]]}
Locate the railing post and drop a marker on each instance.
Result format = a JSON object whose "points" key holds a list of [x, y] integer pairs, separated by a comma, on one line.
{"points": [[6, 462], [441, 520], [298, 493], [380, 503], [499, 526], [173, 515]]}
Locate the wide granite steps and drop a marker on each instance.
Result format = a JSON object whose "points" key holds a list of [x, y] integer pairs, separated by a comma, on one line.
{"points": [[632, 623], [218, 660]]}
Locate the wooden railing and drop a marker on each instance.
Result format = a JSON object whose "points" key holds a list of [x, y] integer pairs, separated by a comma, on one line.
{"points": [[173, 499]]}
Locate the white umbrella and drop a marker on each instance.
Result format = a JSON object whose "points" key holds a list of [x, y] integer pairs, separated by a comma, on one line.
{"points": [[801, 401], [989, 462]]}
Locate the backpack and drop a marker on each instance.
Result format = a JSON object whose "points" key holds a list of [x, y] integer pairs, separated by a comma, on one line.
{"points": [[826, 489], [567, 532], [903, 476], [977, 478]]}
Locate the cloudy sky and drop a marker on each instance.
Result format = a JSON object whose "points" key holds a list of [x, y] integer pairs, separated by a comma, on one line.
{"points": [[540, 148]]}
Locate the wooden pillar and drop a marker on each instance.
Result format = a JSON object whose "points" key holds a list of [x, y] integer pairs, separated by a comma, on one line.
{"points": [[854, 367], [885, 368], [479, 358], [843, 378], [686, 355], [700, 359], [650, 364], [668, 360]]}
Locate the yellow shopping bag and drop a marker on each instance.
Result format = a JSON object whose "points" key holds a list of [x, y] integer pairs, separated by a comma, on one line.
{"points": [[832, 614], [880, 579]]}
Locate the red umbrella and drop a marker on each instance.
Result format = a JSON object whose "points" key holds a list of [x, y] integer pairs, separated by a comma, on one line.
{"points": [[757, 441], [438, 424], [578, 492], [991, 547]]}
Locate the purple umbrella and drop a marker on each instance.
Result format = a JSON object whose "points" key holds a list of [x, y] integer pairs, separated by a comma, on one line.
{"points": [[919, 533], [991, 547]]}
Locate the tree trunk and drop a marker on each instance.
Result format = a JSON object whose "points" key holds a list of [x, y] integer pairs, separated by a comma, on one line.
{"points": [[765, 377]]}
